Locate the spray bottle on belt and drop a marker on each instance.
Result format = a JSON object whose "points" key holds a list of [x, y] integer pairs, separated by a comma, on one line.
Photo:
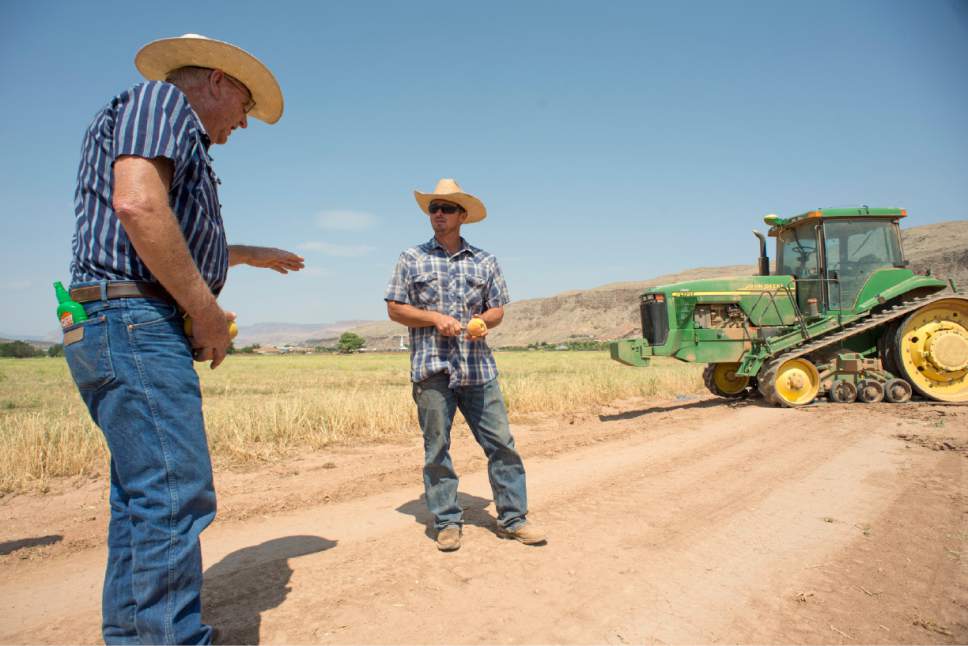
{"points": [[69, 312]]}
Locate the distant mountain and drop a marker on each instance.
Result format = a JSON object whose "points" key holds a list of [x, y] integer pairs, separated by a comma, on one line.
{"points": [[290, 333], [611, 311], [35, 341], [7, 338], [606, 312]]}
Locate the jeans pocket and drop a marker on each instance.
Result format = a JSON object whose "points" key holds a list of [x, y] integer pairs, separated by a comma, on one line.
{"points": [[90, 357], [149, 313]]}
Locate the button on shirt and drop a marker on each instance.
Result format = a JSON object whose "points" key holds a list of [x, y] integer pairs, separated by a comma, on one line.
{"points": [[150, 120], [461, 285]]}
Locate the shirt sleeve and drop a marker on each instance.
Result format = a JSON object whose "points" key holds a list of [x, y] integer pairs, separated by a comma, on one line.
{"points": [[153, 122], [399, 287], [496, 293]]}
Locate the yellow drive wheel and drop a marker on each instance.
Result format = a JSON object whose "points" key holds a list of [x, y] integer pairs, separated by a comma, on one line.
{"points": [[721, 380], [797, 383], [932, 350]]}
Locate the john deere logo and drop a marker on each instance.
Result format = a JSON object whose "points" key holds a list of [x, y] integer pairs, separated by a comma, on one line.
{"points": [[762, 287]]}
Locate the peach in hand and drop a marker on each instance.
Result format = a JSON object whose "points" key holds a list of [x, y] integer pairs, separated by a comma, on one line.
{"points": [[476, 327], [233, 328]]}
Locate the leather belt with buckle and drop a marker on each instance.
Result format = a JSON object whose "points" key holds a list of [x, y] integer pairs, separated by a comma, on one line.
{"points": [[123, 289]]}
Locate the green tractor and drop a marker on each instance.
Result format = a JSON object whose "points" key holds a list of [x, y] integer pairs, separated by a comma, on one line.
{"points": [[843, 316]]}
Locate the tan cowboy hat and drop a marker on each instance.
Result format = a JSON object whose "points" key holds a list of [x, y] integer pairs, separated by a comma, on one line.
{"points": [[448, 189], [156, 59]]}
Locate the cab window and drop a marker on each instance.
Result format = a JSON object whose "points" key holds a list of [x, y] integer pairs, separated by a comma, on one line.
{"points": [[797, 256], [854, 249]]}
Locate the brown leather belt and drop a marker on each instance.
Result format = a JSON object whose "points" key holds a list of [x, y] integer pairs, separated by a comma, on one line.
{"points": [[127, 289]]}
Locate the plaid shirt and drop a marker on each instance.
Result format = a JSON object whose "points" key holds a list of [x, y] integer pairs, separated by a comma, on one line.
{"points": [[462, 285]]}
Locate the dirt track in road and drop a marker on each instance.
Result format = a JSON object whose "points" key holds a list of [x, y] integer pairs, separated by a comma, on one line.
{"points": [[668, 522]]}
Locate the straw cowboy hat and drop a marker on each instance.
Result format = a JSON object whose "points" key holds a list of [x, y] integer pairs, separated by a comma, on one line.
{"points": [[156, 59], [448, 189]]}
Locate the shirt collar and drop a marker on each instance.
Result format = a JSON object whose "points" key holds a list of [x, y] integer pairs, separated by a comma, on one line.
{"points": [[464, 247], [206, 141]]}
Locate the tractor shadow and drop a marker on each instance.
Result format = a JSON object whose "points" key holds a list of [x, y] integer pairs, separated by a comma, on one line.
{"points": [[714, 402], [475, 513], [250, 581]]}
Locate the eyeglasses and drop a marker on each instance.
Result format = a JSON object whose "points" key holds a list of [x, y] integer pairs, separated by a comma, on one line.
{"points": [[249, 101], [446, 209]]}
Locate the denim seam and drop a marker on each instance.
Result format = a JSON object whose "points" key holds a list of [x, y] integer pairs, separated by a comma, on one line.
{"points": [[172, 490]]}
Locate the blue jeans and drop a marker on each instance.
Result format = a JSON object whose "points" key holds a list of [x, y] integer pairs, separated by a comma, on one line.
{"points": [[483, 408], [134, 370]]}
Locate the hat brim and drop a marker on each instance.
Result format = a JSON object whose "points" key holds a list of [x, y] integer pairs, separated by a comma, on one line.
{"points": [[158, 58], [474, 207]]}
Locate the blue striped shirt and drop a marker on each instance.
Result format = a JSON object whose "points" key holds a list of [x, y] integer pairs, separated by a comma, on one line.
{"points": [[150, 120], [460, 285]]}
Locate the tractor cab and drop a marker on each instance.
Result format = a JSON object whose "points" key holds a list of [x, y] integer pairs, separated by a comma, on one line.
{"points": [[833, 253]]}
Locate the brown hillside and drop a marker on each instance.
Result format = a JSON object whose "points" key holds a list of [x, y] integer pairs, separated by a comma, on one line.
{"points": [[611, 311]]}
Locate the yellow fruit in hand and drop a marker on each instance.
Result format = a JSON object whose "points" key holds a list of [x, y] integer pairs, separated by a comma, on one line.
{"points": [[476, 327], [233, 328]]}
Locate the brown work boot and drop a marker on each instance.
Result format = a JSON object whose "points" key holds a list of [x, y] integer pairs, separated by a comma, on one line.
{"points": [[526, 532], [448, 539]]}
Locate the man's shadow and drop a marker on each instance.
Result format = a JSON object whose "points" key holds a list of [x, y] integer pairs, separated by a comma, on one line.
{"points": [[251, 580], [8, 547], [475, 513]]}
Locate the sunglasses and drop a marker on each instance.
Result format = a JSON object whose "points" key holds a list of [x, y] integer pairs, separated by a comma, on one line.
{"points": [[446, 209], [249, 102]]}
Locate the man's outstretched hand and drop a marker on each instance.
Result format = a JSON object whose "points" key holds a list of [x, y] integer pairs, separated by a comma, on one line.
{"points": [[266, 257]]}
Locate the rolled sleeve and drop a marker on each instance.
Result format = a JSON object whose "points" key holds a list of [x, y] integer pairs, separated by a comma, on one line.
{"points": [[152, 123], [398, 288], [497, 289]]}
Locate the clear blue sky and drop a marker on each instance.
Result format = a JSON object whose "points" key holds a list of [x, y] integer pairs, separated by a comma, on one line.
{"points": [[610, 141]]}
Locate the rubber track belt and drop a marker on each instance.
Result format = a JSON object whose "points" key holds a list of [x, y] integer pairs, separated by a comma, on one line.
{"points": [[856, 327]]}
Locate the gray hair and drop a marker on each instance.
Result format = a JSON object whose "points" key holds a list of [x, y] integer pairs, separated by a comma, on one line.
{"points": [[188, 76]]}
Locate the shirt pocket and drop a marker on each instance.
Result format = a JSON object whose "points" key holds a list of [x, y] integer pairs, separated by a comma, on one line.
{"points": [[474, 293], [426, 290]]}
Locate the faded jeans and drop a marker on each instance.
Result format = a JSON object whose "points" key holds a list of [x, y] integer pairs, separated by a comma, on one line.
{"points": [[483, 408], [134, 370]]}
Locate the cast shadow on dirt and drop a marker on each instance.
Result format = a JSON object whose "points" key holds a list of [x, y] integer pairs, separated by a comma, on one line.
{"points": [[475, 513], [249, 581], [668, 408], [10, 547]]}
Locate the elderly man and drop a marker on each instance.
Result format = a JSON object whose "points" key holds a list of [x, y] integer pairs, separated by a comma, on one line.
{"points": [[148, 247], [438, 290]]}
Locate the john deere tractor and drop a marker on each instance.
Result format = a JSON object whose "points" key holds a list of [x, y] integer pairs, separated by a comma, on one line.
{"points": [[843, 316]]}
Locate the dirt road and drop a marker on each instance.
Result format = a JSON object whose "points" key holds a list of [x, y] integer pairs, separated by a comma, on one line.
{"points": [[669, 522]]}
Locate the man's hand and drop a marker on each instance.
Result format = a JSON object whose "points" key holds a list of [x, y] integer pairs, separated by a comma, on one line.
{"points": [[447, 325], [210, 334], [266, 257]]}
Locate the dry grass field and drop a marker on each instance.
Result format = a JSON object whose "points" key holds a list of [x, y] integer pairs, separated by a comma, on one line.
{"points": [[264, 408]]}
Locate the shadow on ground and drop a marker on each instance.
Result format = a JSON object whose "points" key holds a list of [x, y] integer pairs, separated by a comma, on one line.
{"points": [[668, 408], [475, 513], [247, 582], [23, 543]]}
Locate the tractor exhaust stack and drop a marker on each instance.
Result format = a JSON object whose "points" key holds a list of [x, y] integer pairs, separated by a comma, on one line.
{"points": [[764, 260]]}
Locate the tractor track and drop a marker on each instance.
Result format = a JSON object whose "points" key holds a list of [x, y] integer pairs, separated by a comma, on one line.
{"points": [[766, 377]]}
